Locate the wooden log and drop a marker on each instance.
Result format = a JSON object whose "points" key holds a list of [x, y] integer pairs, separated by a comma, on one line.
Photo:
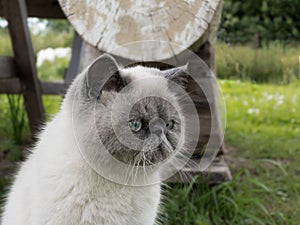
{"points": [[16, 15], [42, 8], [109, 26]]}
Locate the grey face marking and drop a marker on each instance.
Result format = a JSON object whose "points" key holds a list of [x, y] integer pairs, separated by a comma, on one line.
{"points": [[159, 141]]}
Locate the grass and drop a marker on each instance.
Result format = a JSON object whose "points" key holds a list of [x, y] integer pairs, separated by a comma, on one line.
{"points": [[51, 104], [235, 202], [274, 63], [263, 124]]}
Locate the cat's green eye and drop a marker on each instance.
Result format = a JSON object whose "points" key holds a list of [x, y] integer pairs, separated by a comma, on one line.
{"points": [[135, 125], [170, 124]]}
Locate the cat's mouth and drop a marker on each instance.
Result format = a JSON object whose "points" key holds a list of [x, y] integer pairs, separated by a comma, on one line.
{"points": [[153, 156]]}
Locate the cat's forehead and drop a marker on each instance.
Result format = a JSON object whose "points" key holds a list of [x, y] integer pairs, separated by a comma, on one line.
{"points": [[139, 72], [152, 106]]}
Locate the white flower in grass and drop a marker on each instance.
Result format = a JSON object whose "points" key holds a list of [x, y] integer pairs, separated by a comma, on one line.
{"points": [[253, 111], [279, 99], [245, 103]]}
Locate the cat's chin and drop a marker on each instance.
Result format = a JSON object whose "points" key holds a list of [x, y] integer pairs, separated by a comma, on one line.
{"points": [[152, 157]]}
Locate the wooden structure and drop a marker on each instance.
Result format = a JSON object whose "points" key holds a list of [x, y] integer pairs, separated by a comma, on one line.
{"points": [[18, 74], [106, 26]]}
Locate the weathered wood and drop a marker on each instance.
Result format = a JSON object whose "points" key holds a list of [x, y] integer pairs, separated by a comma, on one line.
{"points": [[109, 26], [7, 67], [74, 65], [10, 86], [16, 15], [14, 86], [42, 8], [54, 88], [217, 173], [206, 53]]}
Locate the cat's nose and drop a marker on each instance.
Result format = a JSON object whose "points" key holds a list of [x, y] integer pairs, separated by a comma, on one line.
{"points": [[157, 126]]}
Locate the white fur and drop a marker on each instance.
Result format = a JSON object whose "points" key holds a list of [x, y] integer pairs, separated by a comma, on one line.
{"points": [[55, 186]]}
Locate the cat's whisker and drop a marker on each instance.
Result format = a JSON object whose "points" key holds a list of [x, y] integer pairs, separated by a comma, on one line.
{"points": [[136, 170], [127, 174], [167, 143]]}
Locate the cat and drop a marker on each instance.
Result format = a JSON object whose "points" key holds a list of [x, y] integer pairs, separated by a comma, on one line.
{"points": [[73, 175]]}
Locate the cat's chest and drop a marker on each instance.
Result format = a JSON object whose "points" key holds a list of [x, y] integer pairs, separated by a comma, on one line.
{"points": [[89, 201]]}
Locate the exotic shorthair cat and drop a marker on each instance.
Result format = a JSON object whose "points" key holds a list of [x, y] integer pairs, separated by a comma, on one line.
{"points": [[76, 174]]}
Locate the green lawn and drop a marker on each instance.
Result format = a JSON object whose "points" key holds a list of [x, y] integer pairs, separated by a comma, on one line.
{"points": [[262, 134]]}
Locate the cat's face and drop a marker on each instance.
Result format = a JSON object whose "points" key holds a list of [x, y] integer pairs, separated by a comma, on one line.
{"points": [[146, 135], [135, 111]]}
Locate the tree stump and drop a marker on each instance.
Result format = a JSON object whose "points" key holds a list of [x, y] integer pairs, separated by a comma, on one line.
{"points": [[110, 25]]}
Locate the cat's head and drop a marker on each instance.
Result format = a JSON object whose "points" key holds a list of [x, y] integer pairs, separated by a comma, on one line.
{"points": [[135, 111]]}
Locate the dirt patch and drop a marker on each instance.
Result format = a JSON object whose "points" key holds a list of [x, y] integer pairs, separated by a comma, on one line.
{"points": [[232, 158]]}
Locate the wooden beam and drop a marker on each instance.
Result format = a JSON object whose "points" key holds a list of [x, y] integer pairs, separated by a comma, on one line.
{"points": [[42, 8], [16, 15], [10, 86], [7, 67], [53, 88], [74, 66], [14, 86], [217, 173]]}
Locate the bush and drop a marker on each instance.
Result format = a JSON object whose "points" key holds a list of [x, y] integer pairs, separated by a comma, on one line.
{"points": [[5, 44], [53, 71], [269, 19], [273, 63]]}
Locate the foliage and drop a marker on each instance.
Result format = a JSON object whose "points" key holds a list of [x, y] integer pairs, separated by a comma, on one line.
{"points": [[5, 44], [17, 117], [52, 37], [228, 203], [48, 72], [263, 123], [59, 26], [273, 63], [270, 19]]}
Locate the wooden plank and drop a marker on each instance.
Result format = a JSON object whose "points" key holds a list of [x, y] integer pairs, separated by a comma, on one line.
{"points": [[42, 8], [53, 88], [10, 86], [7, 67], [74, 66], [14, 86], [16, 15], [217, 173]]}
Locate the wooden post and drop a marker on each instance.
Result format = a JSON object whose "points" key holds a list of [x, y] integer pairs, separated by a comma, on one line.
{"points": [[16, 15], [207, 53], [74, 66]]}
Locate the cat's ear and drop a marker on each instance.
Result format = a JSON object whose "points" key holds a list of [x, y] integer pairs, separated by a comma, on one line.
{"points": [[179, 75], [103, 75]]}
